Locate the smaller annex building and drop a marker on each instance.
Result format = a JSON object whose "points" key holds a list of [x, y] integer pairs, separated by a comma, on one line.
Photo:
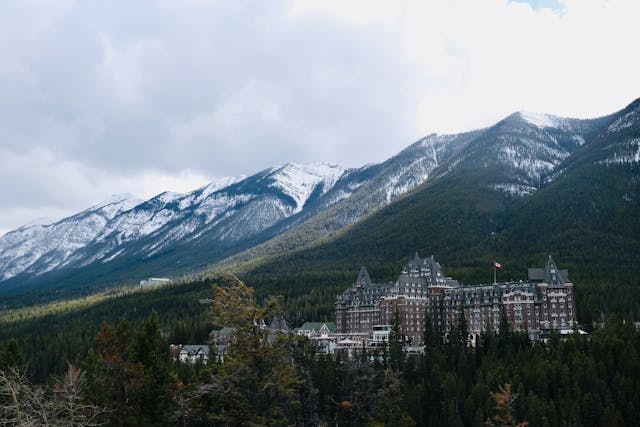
{"points": [[317, 329], [155, 281], [322, 334], [543, 303], [190, 353]]}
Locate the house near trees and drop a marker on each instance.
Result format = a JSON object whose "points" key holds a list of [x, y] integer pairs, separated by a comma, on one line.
{"points": [[190, 353]]}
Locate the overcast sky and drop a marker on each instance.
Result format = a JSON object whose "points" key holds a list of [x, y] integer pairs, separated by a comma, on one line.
{"points": [[104, 97]]}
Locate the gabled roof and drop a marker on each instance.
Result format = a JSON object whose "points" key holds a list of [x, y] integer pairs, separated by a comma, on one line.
{"points": [[549, 274], [363, 295], [316, 326], [363, 277], [553, 276], [416, 261], [427, 268], [193, 349]]}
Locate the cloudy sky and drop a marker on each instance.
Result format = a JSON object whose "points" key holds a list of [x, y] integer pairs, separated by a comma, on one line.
{"points": [[105, 97]]}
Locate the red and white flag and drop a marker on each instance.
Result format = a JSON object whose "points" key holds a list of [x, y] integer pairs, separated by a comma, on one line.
{"points": [[497, 264]]}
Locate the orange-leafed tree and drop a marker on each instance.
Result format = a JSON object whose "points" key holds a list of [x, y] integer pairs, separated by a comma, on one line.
{"points": [[504, 417]]}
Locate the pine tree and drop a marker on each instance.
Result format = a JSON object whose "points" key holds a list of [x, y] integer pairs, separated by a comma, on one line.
{"points": [[151, 351], [260, 380], [390, 408]]}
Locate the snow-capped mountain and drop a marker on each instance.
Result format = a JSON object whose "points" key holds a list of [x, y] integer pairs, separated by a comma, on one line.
{"points": [[527, 148], [282, 208], [220, 218], [39, 248], [228, 211], [360, 192]]}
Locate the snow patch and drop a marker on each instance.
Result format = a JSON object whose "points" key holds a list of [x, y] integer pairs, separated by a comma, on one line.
{"points": [[44, 248], [408, 178], [630, 153], [541, 120], [299, 181], [578, 139], [219, 184], [213, 207], [625, 121], [168, 197], [429, 143], [514, 189], [521, 157], [112, 257]]}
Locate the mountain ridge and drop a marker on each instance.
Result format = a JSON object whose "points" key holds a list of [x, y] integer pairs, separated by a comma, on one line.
{"points": [[225, 215], [291, 206], [588, 217]]}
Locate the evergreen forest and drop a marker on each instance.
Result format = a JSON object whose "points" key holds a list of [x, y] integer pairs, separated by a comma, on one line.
{"points": [[70, 367]]}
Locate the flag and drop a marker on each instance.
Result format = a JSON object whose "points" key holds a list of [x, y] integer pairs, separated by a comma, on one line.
{"points": [[497, 264]]}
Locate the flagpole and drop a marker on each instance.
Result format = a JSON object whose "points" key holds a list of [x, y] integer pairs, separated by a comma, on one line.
{"points": [[494, 272]]}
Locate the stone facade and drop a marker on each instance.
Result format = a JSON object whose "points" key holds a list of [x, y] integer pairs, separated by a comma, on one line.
{"points": [[543, 303]]}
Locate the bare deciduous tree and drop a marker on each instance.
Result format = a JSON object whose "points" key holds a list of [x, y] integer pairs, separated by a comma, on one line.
{"points": [[25, 404]]}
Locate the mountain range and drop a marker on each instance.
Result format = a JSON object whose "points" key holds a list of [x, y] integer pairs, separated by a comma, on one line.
{"points": [[175, 233], [529, 184]]}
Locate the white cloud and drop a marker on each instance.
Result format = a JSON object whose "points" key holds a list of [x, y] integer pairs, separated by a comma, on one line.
{"points": [[480, 61], [97, 97]]}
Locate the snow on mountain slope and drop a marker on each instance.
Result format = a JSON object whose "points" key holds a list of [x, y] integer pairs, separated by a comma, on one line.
{"points": [[116, 203], [360, 192], [625, 121], [627, 152], [41, 248], [146, 218], [15, 238], [378, 185], [516, 156], [397, 176], [300, 181], [166, 208], [203, 193], [252, 219], [531, 158], [623, 138], [541, 120], [527, 148], [230, 210], [407, 176]]}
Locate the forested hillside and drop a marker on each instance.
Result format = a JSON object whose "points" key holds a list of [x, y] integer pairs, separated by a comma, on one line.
{"points": [[587, 216], [128, 378], [530, 185], [52, 335]]}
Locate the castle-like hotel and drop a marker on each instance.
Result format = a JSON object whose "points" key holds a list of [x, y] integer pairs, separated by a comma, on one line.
{"points": [[545, 302]]}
